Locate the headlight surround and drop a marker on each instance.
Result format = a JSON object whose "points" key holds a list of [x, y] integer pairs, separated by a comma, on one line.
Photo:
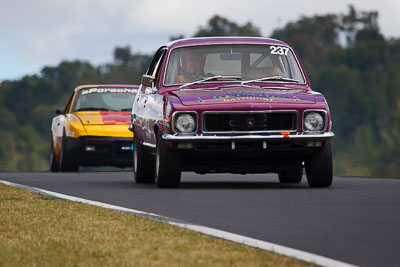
{"points": [[74, 127], [314, 121], [185, 122]]}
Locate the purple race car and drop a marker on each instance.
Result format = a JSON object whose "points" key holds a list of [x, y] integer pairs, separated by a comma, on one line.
{"points": [[236, 105]]}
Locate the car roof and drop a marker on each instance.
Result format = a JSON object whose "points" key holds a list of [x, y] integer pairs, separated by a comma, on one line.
{"points": [[223, 40]]}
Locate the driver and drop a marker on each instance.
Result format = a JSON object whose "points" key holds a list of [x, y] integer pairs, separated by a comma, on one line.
{"points": [[192, 66]]}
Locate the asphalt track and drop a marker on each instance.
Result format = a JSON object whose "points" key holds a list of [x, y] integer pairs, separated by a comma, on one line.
{"points": [[356, 220]]}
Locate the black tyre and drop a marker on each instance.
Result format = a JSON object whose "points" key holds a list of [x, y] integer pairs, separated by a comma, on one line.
{"points": [[52, 163], [143, 163], [291, 176], [65, 164], [319, 168], [168, 166]]}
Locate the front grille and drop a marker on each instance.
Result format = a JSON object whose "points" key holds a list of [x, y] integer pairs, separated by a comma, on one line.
{"points": [[250, 122]]}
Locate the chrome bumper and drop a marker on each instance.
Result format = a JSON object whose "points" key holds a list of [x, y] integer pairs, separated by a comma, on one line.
{"points": [[294, 137]]}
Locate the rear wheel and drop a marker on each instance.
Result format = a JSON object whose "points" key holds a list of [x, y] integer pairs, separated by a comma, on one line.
{"points": [[168, 166], [53, 164], [319, 168], [143, 163], [291, 176], [65, 164]]}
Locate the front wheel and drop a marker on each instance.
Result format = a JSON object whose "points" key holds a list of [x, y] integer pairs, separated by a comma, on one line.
{"points": [[319, 168], [143, 163], [168, 166], [65, 164]]}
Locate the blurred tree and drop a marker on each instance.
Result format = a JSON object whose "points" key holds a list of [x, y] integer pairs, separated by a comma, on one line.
{"points": [[8, 119], [33, 149], [311, 37], [176, 37], [128, 67], [8, 154], [323, 29], [70, 74], [360, 26], [122, 55], [220, 26]]}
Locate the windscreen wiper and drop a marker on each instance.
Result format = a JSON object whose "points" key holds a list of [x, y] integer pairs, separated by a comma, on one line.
{"points": [[271, 78], [215, 77]]}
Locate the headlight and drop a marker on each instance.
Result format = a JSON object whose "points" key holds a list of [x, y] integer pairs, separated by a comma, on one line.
{"points": [[185, 123], [313, 121]]}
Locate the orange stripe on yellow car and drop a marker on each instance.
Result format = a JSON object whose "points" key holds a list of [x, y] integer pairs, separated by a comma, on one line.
{"points": [[115, 117]]}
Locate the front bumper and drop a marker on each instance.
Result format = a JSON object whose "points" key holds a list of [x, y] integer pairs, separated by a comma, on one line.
{"points": [[100, 151], [297, 137]]}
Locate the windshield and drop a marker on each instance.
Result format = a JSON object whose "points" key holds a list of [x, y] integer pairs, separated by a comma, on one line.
{"points": [[250, 62], [105, 99]]}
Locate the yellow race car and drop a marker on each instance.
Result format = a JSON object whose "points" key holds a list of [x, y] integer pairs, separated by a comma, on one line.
{"points": [[92, 128]]}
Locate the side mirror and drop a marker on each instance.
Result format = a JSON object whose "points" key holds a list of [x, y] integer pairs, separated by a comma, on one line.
{"points": [[148, 80], [59, 111]]}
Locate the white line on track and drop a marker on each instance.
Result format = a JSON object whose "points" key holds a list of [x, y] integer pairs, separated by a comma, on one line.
{"points": [[282, 250]]}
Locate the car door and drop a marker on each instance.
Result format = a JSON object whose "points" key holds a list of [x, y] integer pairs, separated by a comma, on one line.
{"points": [[147, 108]]}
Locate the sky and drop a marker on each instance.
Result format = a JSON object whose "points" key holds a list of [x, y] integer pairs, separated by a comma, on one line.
{"points": [[39, 33]]}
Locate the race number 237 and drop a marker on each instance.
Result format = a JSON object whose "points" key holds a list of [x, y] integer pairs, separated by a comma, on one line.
{"points": [[278, 50]]}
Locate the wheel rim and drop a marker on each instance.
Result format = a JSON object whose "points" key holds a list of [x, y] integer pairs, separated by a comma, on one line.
{"points": [[157, 161]]}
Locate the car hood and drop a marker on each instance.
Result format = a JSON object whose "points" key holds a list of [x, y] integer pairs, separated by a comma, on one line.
{"points": [[105, 123], [243, 94], [103, 117]]}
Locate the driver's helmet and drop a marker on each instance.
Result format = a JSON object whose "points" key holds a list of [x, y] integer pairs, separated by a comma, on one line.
{"points": [[192, 63]]}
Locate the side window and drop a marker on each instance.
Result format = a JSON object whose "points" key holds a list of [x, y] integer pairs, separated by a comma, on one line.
{"points": [[158, 68], [68, 105], [156, 61]]}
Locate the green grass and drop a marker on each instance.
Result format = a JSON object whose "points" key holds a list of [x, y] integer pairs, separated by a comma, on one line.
{"points": [[41, 231]]}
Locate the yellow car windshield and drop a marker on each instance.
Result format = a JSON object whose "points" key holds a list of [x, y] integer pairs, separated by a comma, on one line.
{"points": [[104, 99]]}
